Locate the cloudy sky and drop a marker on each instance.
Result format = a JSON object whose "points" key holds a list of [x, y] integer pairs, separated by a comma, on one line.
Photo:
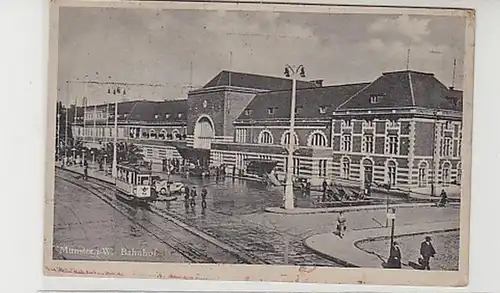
{"points": [[160, 47]]}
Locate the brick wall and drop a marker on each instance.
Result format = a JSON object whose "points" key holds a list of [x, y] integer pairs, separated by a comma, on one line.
{"points": [[214, 109], [235, 103], [423, 138]]}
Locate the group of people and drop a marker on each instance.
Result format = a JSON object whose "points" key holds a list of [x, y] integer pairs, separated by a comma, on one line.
{"points": [[427, 252], [190, 195], [333, 192]]}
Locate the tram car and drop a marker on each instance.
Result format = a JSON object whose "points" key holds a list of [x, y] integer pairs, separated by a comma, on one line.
{"points": [[134, 184]]}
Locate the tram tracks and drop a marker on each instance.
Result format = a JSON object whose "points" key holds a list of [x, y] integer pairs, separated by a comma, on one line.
{"points": [[165, 234]]}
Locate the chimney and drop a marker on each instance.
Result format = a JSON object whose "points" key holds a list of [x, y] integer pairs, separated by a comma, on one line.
{"points": [[318, 82]]}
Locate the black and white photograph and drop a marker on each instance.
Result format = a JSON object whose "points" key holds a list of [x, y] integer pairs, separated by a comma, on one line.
{"points": [[170, 151]]}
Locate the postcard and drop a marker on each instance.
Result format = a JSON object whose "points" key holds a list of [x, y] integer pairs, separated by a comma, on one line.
{"points": [[170, 150]]}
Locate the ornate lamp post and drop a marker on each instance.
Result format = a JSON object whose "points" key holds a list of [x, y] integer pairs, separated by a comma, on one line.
{"points": [[291, 71]]}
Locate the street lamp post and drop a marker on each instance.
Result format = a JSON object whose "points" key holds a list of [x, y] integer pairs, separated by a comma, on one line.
{"points": [[392, 217], [113, 170], [291, 71], [57, 133]]}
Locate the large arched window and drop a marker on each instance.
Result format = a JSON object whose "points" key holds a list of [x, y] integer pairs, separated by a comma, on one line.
{"points": [[317, 139], [175, 134], [346, 168], [446, 173], [265, 137], [285, 139], [391, 172], [152, 133], [422, 173], [163, 134]]}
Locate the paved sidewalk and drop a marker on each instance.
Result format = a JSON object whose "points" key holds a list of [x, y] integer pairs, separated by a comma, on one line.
{"points": [[91, 173], [344, 250], [305, 211]]}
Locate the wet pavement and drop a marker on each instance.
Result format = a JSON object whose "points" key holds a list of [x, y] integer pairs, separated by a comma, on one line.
{"points": [[90, 224], [235, 216]]}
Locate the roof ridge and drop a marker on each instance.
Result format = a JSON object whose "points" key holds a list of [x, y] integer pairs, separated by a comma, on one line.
{"points": [[357, 93], [265, 75], [412, 93]]}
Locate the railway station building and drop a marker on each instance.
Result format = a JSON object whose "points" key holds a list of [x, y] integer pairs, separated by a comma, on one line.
{"points": [[402, 129]]}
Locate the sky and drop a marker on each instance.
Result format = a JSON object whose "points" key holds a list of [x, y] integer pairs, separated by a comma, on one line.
{"points": [[179, 49]]}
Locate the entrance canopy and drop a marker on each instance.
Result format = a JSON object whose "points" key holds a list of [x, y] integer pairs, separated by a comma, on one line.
{"points": [[260, 167]]}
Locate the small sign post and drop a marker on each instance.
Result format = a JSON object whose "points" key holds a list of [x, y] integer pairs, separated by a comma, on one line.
{"points": [[391, 216]]}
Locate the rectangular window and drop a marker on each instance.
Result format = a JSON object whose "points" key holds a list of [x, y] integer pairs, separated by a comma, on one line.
{"points": [[346, 142], [241, 135], [368, 143], [375, 98], [393, 144], [447, 147]]}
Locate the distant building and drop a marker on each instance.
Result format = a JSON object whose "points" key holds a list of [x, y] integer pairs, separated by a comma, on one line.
{"points": [[158, 128]]}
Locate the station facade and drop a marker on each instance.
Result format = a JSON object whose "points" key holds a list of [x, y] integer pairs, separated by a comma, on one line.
{"points": [[402, 129]]}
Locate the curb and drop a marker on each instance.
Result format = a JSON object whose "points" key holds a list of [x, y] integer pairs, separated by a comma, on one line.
{"points": [[276, 210], [356, 244], [330, 257], [385, 237]]}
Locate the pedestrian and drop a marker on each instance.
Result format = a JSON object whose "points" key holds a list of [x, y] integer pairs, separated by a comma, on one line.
{"points": [[341, 224], [204, 194], [427, 251], [186, 196], [444, 198], [193, 197], [394, 261], [85, 172]]}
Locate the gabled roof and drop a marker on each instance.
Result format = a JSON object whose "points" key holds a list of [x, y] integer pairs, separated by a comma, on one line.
{"points": [[308, 102], [255, 81], [405, 89]]}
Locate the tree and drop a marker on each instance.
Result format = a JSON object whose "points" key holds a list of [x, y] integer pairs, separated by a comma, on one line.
{"points": [[124, 152]]}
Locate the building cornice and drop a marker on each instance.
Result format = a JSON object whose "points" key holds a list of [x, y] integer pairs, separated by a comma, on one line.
{"points": [[402, 111]]}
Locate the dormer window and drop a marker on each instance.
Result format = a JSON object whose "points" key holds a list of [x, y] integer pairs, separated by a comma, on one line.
{"points": [[270, 111], [167, 116], [248, 112], [375, 98], [157, 116], [297, 109], [322, 109], [179, 115]]}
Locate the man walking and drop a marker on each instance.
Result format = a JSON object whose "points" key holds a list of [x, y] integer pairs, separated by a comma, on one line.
{"points": [[427, 251], [204, 193]]}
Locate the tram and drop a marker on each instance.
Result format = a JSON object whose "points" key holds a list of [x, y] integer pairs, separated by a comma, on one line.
{"points": [[133, 183]]}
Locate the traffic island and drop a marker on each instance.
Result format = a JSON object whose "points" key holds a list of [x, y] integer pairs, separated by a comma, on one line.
{"points": [[305, 211], [345, 250]]}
